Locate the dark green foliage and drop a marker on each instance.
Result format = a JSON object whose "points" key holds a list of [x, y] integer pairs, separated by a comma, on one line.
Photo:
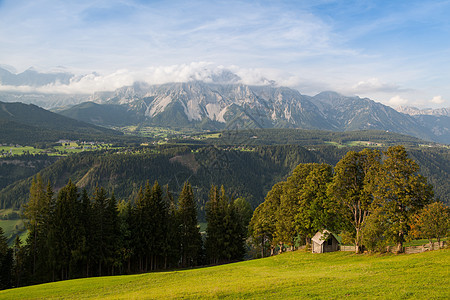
{"points": [[400, 192], [6, 262], [190, 238], [315, 210], [313, 199], [15, 168], [352, 189], [26, 124], [102, 115], [262, 225], [225, 233]]}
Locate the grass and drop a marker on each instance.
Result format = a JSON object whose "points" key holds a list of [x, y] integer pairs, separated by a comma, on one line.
{"points": [[60, 150], [13, 228], [297, 275], [19, 150], [355, 144]]}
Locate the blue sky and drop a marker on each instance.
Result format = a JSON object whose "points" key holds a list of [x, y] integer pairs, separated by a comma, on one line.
{"points": [[395, 52]]}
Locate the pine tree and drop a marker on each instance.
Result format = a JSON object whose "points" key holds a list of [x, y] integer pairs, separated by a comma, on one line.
{"points": [[138, 232], [99, 229], [214, 230], [33, 214], [87, 243], [190, 238], [172, 251], [19, 256], [65, 231], [6, 262]]}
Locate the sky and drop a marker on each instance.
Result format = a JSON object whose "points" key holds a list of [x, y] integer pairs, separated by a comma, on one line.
{"points": [[394, 52]]}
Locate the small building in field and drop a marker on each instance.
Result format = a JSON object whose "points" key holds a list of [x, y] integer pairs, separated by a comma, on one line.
{"points": [[324, 241]]}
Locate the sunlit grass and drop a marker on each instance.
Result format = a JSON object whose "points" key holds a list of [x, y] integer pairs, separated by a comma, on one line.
{"points": [[290, 275]]}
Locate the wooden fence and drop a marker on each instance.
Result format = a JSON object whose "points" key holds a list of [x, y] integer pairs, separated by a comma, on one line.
{"points": [[347, 248], [418, 249], [407, 250]]}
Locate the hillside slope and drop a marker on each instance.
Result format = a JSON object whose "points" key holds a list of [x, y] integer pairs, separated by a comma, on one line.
{"points": [[27, 123], [245, 172], [296, 275]]}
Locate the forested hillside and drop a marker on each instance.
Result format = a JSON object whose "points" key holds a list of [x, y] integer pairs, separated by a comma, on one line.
{"points": [[248, 172], [27, 124]]}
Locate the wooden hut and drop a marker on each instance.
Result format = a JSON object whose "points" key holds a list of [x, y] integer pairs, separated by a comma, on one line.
{"points": [[324, 241]]}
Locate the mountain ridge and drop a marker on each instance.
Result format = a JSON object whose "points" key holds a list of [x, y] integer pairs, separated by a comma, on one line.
{"points": [[223, 101], [238, 106]]}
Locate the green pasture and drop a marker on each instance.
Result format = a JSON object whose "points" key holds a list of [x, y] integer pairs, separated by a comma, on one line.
{"points": [[355, 144], [295, 275], [61, 149], [19, 150]]}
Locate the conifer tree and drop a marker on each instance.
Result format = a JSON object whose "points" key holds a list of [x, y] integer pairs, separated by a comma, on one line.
{"points": [[214, 230], [190, 238], [33, 213], [6, 262], [125, 241], [65, 227], [100, 229], [172, 251], [138, 232], [19, 257]]}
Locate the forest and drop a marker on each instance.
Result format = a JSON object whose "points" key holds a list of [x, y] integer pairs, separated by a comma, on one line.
{"points": [[246, 171], [371, 198]]}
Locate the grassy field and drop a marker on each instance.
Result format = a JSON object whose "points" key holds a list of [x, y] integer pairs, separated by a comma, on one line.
{"points": [[60, 150], [298, 275]]}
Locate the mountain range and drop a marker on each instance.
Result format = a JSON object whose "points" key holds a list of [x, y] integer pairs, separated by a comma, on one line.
{"points": [[222, 102], [216, 106]]}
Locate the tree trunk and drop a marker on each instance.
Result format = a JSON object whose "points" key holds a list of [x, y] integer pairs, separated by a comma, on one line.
{"points": [[400, 247], [357, 246]]}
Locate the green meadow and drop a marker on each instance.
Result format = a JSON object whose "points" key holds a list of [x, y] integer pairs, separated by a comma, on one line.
{"points": [[298, 275]]}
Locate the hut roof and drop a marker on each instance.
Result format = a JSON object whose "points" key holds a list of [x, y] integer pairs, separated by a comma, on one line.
{"points": [[321, 236]]}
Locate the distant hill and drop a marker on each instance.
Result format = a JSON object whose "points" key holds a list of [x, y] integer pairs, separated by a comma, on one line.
{"points": [[28, 123], [106, 114], [32, 77]]}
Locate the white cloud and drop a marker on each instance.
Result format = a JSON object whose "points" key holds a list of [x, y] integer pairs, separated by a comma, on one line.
{"points": [[201, 71], [397, 100], [375, 85], [437, 100]]}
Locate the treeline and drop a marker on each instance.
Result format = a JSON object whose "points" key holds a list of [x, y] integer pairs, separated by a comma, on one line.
{"points": [[303, 137], [372, 199], [73, 235]]}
